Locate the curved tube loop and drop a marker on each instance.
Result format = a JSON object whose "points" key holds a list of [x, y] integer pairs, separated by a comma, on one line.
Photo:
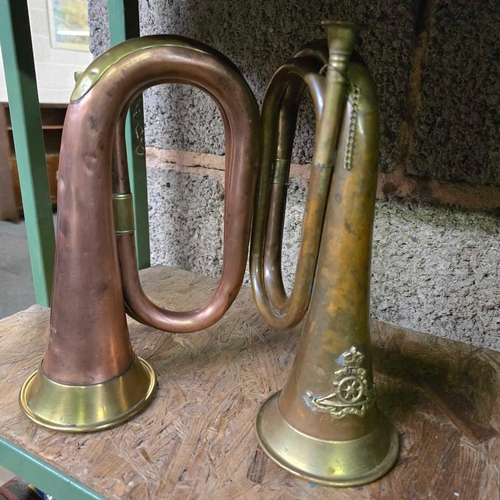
{"points": [[172, 59], [279, 117]]}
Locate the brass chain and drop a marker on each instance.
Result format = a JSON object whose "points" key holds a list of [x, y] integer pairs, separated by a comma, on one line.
{"points": [[140, 150], [349, 150]]}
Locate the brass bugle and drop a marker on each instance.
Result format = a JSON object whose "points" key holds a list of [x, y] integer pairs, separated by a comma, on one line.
{"points": [[324, 426], [90, 378]]}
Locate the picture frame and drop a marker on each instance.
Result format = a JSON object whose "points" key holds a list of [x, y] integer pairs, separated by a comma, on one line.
{"points": [[68, 21]]}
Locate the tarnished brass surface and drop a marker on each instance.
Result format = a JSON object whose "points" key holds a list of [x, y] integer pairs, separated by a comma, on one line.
{"points": [[352, 393], [96, 276], [88, 408], [123, 211], [279, 117], [330, 463], [324, 426], [86, 79]]}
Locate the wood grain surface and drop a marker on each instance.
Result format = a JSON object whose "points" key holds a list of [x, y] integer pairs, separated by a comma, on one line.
{"points": [[196, 439]]}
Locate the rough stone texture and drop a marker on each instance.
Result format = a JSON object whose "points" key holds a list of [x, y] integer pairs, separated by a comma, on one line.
{"points": [[434, 270], [457, 129], [185, 213], [259, 36], [99, 26], [438, 271]]}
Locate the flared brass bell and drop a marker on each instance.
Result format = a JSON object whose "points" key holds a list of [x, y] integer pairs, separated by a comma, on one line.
{"points": [[324, 426]]}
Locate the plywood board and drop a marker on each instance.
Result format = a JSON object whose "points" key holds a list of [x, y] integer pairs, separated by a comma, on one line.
{"points": [[196, 440]]}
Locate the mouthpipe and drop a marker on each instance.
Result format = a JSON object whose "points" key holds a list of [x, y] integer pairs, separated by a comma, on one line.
{"points": [[342, 37]]}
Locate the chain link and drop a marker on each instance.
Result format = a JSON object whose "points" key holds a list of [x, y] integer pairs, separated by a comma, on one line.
{"points": [[349, 150], [139, 129]]}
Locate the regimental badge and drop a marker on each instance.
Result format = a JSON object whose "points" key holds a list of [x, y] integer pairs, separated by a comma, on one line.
{"points": [[351, 394]]}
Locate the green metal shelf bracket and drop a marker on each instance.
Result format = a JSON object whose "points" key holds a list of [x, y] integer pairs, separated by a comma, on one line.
{"points": [[42, 475], [17, 52], [123, 24]]}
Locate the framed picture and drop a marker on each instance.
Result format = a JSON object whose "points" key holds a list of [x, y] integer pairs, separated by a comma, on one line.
{"points": [[69, 27]]}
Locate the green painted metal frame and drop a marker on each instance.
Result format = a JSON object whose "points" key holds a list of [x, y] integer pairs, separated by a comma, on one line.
{"points": [[17, 51], [42, 475], [123, 24]]}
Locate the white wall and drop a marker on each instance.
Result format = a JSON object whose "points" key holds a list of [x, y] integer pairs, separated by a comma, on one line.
{"points": [[54, 67]]}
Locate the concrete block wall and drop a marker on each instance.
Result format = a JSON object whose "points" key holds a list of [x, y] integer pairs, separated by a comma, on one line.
{"points": [[434, 269], [436, 266], [259, 36], [458, 120], [434, 62]]}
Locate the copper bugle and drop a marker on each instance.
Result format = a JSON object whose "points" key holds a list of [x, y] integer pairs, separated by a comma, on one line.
{"points": [[324, 426], [90, 378]]}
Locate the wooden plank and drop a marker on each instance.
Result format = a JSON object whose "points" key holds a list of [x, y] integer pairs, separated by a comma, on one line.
{"points": [[196, 440], [15, 38], [124, 24]]}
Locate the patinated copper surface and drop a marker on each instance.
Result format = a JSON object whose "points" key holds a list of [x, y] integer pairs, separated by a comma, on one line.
{"points": [[89, 340]]}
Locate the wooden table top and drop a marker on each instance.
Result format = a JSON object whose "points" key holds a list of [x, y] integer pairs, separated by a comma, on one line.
{"points": [[196, 439]]}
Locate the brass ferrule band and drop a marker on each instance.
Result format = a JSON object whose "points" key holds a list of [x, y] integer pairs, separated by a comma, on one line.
{"points": [[337, 68], [281, 171], [123, 210]]}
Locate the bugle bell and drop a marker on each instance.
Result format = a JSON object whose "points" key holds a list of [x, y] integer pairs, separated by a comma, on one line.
{"points": [[90, 378], [324, 426]]}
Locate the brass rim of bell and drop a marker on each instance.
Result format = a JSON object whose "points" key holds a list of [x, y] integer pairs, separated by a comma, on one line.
{"points": [[88, 408]]}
